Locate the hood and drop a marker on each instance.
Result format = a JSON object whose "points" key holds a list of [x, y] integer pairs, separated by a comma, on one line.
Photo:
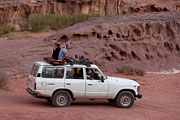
{"points": [[122, 81]]}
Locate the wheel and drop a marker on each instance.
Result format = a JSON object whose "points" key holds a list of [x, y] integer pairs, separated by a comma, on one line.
{"points": [[61, 99], [125, 99], [112, 100]]}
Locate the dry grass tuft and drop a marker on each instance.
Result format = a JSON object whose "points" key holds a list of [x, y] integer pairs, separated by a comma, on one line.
{"points": [[38, 23], [5, 29]]}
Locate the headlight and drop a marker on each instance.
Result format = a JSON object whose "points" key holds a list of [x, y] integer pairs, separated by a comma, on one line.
{"points": [[138, 88]]}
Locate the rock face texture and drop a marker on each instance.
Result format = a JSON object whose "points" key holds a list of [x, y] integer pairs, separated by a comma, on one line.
{"points": [[12, 11], [150, 41]]}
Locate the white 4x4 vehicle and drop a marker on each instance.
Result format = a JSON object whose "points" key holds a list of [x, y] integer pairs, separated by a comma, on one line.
{"points": [[63, 83]]}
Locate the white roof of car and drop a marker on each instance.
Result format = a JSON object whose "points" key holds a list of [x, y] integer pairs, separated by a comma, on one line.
{"points": [[42, 63]]}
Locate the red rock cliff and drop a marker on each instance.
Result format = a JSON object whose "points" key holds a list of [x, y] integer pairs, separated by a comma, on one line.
{"points": [[13, 10]]}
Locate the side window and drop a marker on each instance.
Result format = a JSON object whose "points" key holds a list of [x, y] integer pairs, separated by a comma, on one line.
{"points": [[31, 73], [58, 73], [50, 72], [74, 73], [34, 70], [93, 74]]}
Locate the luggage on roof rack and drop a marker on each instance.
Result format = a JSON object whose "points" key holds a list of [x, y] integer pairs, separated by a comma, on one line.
{"points": [[81, 61], [86, 62], [54, 62]]}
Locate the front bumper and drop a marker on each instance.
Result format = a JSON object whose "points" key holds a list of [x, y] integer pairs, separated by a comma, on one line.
{"points": [[139, 96], [35, 94]]}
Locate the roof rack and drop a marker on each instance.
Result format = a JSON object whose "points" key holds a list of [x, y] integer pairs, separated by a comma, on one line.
{"points": [[85, 62], [81, 61]]}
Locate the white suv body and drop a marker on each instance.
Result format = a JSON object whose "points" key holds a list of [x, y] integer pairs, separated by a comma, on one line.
{"points": [[62, 82]]}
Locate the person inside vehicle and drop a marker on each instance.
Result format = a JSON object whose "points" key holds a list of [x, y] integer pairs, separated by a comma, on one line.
{"points": [[81, 74], [63, 53], [75, 75], [56, 50], [89, 74]]}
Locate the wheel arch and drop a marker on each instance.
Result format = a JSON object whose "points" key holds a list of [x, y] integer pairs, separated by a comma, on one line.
{"points": [[130, 90], [69, 91]]}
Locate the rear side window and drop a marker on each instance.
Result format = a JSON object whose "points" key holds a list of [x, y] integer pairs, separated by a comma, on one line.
{"points": [[34, 70], [51, 72], [74, 73]]}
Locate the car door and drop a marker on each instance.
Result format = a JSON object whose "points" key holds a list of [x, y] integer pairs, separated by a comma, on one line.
{"points": [[95, 87], [75, 81]]}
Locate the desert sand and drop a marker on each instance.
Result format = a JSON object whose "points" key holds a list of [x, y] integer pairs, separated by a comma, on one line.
{"points": [[160, 101]]}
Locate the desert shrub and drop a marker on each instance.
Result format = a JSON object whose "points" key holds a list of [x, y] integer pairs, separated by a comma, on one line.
{"points": [[59, 22], [4, 81], [11, 36], [37, 22], [24, 25], [129, 70], [81, 17], [5, 29], [55, 22]]}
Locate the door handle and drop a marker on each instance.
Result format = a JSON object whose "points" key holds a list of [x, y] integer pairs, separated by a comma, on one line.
{"points": [[68, 83], [90, 84]]}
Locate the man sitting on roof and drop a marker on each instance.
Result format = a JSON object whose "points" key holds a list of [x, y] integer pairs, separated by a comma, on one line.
{"points": [[56, 50], [63, 53]]}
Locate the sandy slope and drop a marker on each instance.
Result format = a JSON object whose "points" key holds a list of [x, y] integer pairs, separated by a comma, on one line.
{"points": [[160, 101], [161, 93]]}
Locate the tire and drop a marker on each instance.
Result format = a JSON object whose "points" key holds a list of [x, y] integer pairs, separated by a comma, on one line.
{"points": [[125, 99], [112, 100], [61, 99]]}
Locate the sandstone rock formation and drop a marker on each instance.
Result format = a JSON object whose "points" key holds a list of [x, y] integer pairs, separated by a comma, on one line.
{"points": [[150, 41], [12, 11]]}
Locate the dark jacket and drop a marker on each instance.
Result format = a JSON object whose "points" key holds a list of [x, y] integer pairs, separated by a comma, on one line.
{"points": [[56, 53]]}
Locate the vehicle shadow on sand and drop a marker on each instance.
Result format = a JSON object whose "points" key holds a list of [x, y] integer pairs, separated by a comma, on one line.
{"points": [[44, 103], [76, 103], [103, 103], [27, 100]]}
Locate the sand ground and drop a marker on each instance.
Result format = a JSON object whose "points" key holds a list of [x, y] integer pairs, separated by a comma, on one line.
{"points": [[161, 101]]}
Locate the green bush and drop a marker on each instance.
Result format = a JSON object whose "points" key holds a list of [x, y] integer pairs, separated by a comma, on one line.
{"points": [[55, 22], [37, 23], [81, 17], [24, 25], [129, 70], [5, 29], [4, 81]]}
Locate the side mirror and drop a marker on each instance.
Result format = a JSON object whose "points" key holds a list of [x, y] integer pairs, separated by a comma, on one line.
{"points": [[102, 79]]}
